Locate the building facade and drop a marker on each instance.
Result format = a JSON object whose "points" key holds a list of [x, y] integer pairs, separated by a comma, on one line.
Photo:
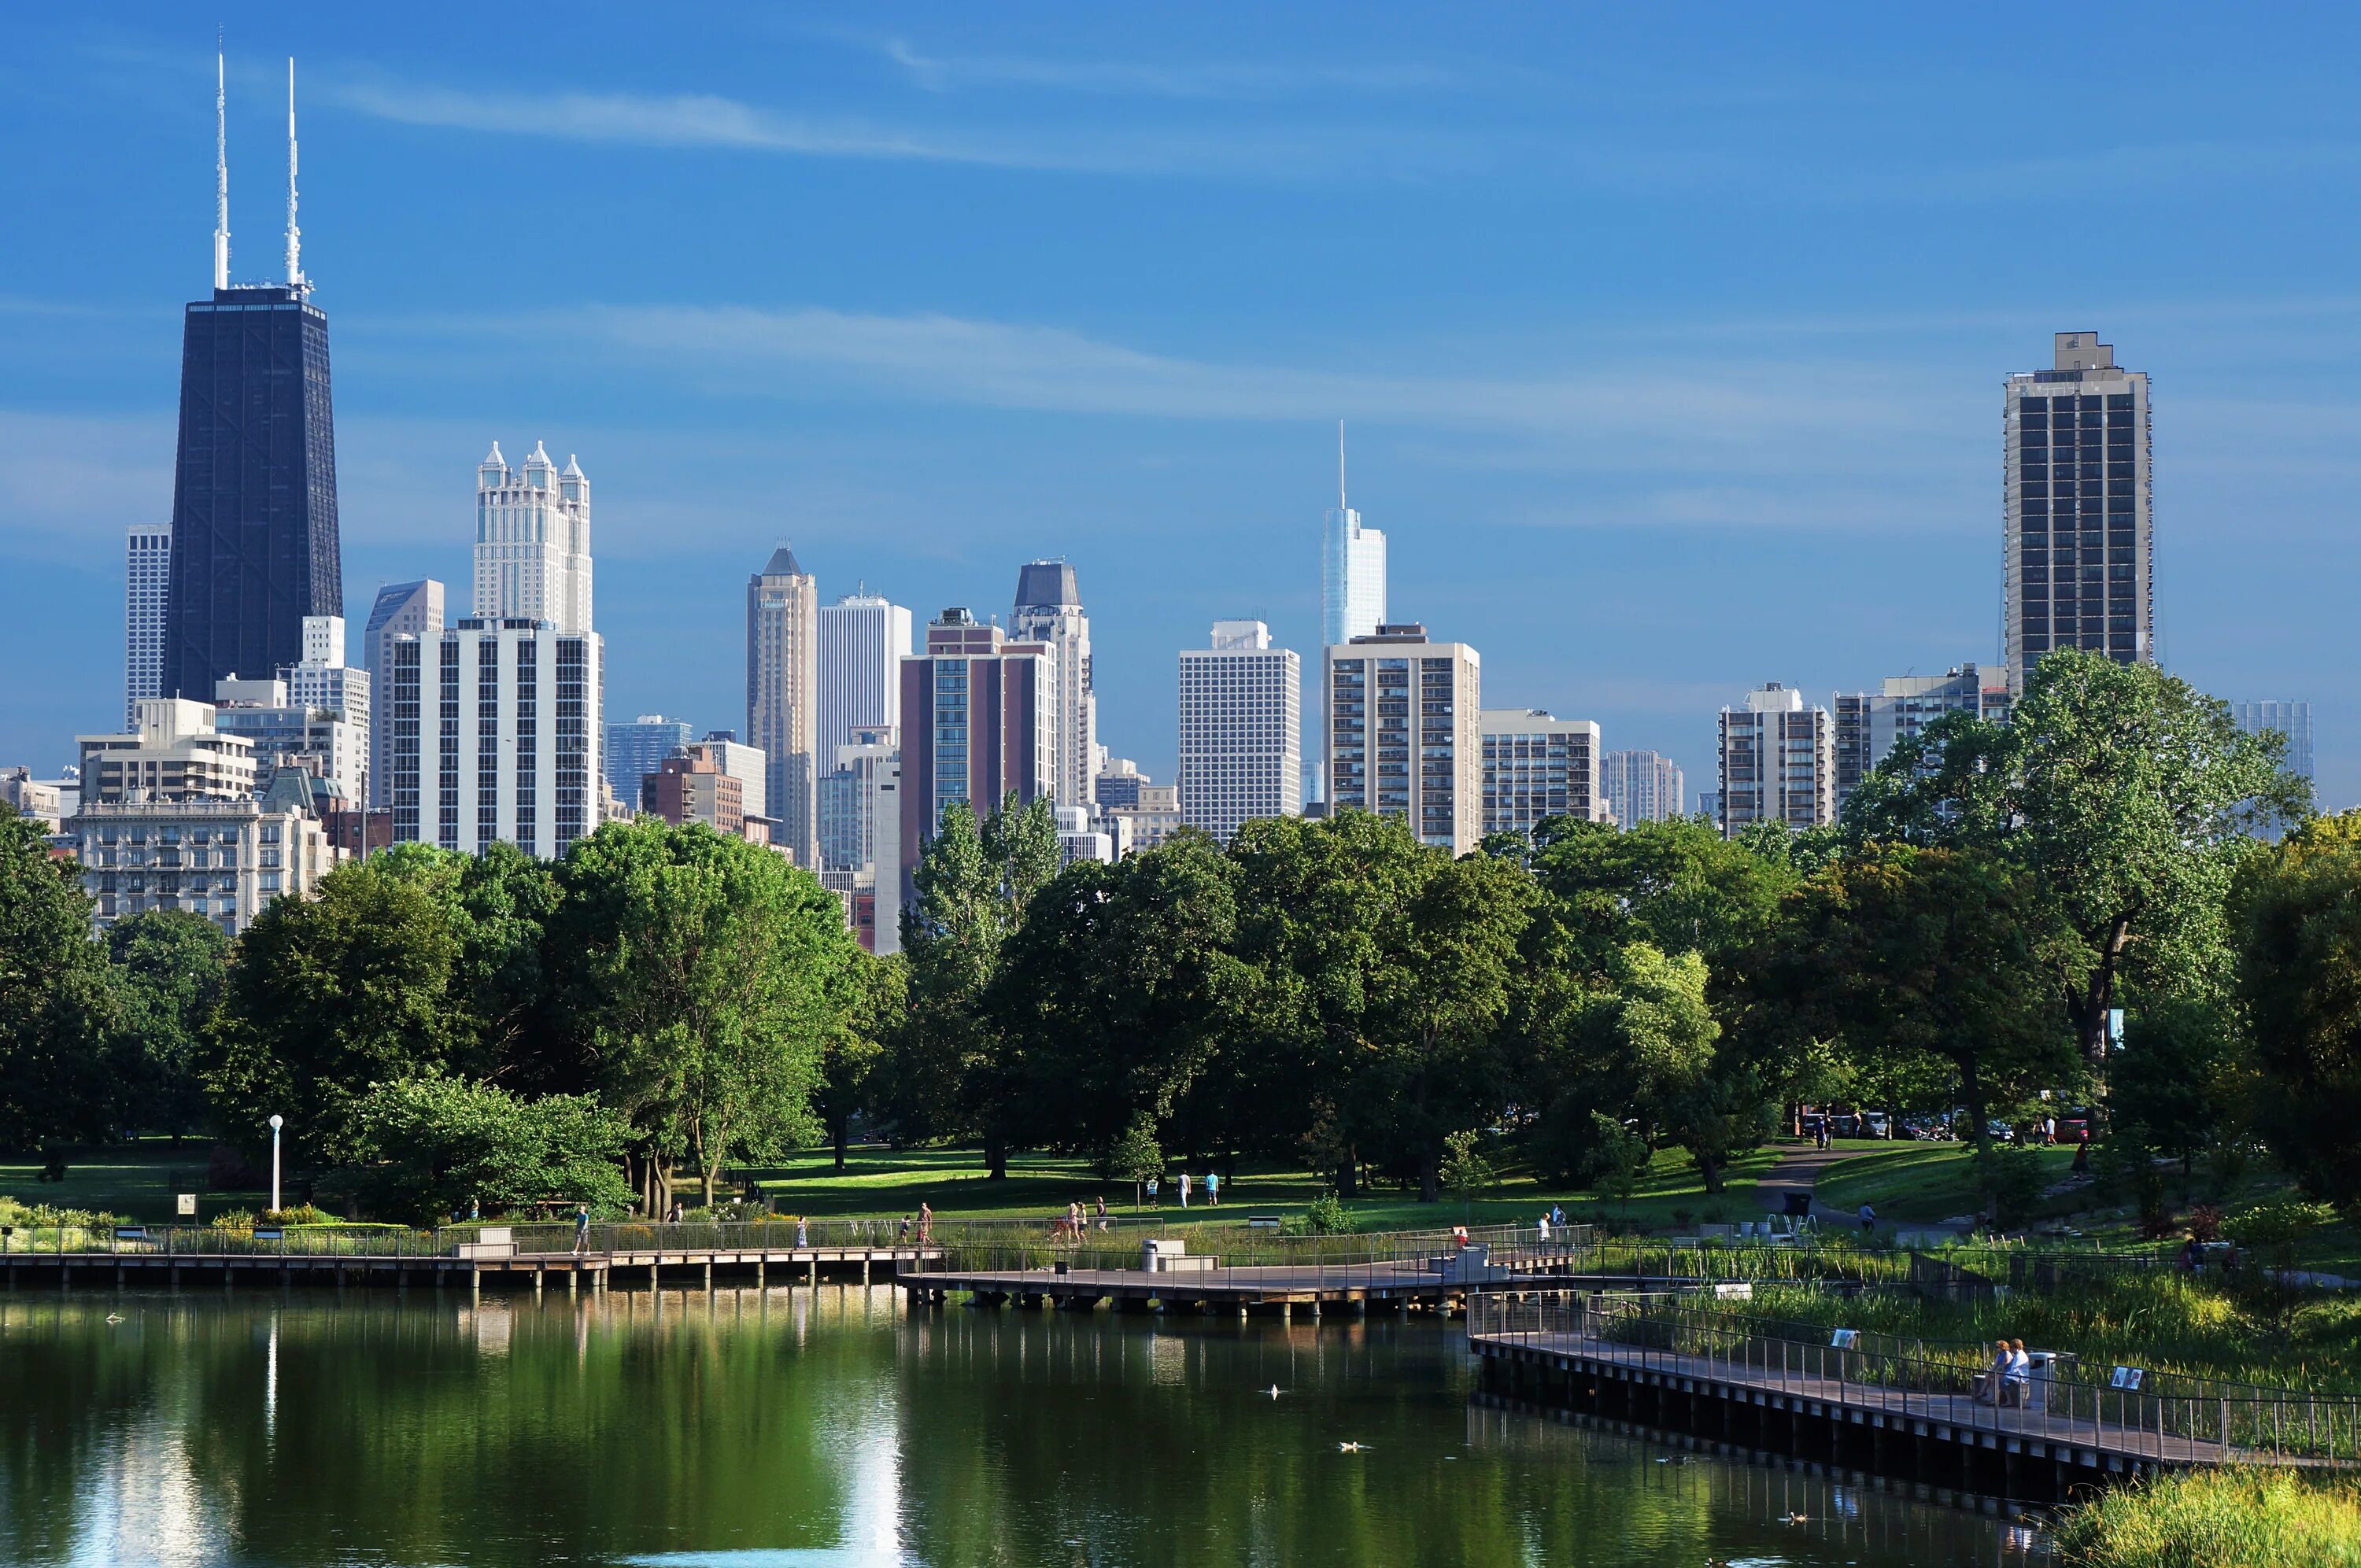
{"points": [[848, 839], [175, 752], [1352, 570], [414, 610], [1868, 726], [691, 788], [278, 728], [495, 734], [783, 696], [2079, 552], [254, 546], [1401, 735], [1048, 611], [638, 749], [1536, 766], [146, 584], [1642, 786], [1241, 730], [532, 541], [225, 860], [2292, 719], [979, 723], [745, 763], [862, 640], [1777, 763]]}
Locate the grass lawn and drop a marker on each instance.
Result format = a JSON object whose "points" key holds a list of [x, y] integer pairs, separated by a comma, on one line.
{"points": [[139, 1181], [886, 1181], [1922, 1181]]}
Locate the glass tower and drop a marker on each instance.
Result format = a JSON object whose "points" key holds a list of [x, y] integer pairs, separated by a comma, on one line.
{"points": [[254, 493]]}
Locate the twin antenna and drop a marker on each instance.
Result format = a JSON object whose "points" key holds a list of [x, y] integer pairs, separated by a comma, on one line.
{"points": [[295, 278]]}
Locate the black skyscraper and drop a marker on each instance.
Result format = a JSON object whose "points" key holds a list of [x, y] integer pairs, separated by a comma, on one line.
{"points": [[254, 496]]}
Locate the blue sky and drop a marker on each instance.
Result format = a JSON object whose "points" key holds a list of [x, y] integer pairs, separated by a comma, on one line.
{"points": [[1671, 339]]}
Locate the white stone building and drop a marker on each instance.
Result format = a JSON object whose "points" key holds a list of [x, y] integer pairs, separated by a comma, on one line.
{"points": [[1241, 729]]}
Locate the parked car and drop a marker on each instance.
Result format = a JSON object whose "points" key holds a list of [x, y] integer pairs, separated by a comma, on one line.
{"points": [[1878, 1125], [2000, 1132]]}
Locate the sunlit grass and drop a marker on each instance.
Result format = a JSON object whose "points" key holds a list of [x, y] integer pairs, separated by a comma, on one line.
{"points": [[2221, 1519]]}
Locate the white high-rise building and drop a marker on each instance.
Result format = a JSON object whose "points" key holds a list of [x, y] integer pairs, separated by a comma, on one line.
{"points": [[783, 696], [1642, 786], [147, 577], [864, 638], [1241, 729], [495, 733], [532, 541], [1778, 762], [322, 682], [745, 763], [414, 610], [2079, 558], [1352, 569], [1402, 737], [1537, 766], [1048, 610]]}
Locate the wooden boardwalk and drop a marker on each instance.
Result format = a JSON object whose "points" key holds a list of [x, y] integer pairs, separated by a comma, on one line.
{"points": [[2008, 1450], [1204, 1284], [596, 1270]]}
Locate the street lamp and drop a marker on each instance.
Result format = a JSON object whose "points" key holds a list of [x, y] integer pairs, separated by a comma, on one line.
{"points": [[276, 1122]]}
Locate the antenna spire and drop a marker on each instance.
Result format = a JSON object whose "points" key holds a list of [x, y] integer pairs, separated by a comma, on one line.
{"points": [[1340, 466], [295, 278], [221, 170]]}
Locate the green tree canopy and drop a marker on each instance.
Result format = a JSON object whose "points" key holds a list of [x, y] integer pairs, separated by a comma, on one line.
{"points": [[56, 1007], [168, 968], [431, 1147]]}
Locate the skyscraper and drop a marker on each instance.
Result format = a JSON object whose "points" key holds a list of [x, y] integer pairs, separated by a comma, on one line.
{"points": [[1536, 766], [1048, 610], [1777, 763], [2079, 554], [1402, 734], [255, 545], [146, 581], [864, 638], [977, 724], [1642, 786], [2292, 719], [783, 696], [1870, 725], [638, 749], [1241, 730], [533, 541], [414, 610], [1352, 569]]}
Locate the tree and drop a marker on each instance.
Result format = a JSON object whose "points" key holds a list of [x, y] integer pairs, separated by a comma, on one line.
{"points": [[2123, 794], [879, 999], [168, 967], [1136, 1155], [2181, 1078], [2297, 914], [1466, 1168], [1950, 954], [702, 977], [56, 1007], [497, 905], [325, 997], [432, 1147]]}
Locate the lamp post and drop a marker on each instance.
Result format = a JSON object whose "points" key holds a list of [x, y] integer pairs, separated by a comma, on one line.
{"points": [[276, 1122]]}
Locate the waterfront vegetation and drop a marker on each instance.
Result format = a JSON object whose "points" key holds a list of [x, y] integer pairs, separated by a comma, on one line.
{"points": [[2222, 1518]]}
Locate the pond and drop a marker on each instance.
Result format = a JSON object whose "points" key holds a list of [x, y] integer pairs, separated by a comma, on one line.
{"points": [[828, 1428]]}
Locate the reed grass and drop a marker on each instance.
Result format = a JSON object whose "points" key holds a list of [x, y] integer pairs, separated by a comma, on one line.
{"points": [[2217, 1519]]}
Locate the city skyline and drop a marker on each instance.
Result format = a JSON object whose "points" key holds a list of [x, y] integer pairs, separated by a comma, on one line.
{"points": [[930, 494]]}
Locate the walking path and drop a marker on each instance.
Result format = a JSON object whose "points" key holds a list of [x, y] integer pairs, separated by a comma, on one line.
{"points": [[1800, 1170]]}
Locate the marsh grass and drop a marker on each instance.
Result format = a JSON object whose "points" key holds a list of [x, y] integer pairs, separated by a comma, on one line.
{"points": [[2217, 1519]]}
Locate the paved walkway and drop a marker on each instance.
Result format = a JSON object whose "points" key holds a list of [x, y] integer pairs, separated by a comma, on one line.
{"points": [[1800, 1170]]}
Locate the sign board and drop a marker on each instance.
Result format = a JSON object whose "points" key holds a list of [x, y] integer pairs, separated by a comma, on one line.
{"points": [[1743, 1291], [1845, 1339], [188, 1204], [2127, 1377], [2115, 1027], [268, 1233]]}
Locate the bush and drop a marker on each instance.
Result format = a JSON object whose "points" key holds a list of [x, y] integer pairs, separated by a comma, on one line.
{"points": [[2219, 1518], [301, 1214], [2205, 1224], [29, 1215], [2127, 1173], [2011, 1178]]}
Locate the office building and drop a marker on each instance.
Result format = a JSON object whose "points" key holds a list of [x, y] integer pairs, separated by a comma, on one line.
{"points": [[282, 731], [638, 749], [979, 724], [1710, 805], [147, 583], [1642, 786], [533, 541], [254, 546], [848, 839], [2079, 554], [862, 640], [1402, 736], [223, 859], [1868, 726], [1777, 763], [692, 788], [2292, 719], [173, 751], [1153, 817], [1352, 569], [783, 696], [496, 736], [43, 800], [1537, 766], [412, 610], [324, 685], [745, 763], [1241, 730], [1078, 840], [1118, 784], [1048, 611]]}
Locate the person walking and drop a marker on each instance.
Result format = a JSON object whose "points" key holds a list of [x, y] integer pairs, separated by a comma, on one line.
{"points": [[803, 1233], [925, 1223], [1213, 1188], [1151, 1192], [1545, 1227], [1868, 1219], [581, 1227], [1184, 1189], [1102, 1218], [2019, 1380]]}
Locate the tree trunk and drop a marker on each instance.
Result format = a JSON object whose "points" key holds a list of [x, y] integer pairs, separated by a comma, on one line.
{"points": [[840, 1125], [1348, 1176], [996, 1159], [1429, 1182], [1971, 1090], [1709, 1170]]}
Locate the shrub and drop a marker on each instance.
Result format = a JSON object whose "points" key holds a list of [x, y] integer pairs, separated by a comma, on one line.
{"points": [[2011, 1178], [2205, 1224], [301, 1214], [2221, 1519]]}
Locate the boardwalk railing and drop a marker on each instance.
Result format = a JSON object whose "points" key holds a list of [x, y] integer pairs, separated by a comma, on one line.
{"points": [[1237, 1248], [2166, 1416]]}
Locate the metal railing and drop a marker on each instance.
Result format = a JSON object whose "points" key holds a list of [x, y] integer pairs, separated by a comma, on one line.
{"points": [[79, 1242], [2160, 1415]]}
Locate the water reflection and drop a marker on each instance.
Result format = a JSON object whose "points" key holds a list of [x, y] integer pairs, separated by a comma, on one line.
{"points": [[796, 1426]]}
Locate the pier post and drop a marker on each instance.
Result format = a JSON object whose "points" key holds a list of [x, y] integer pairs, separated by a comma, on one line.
{"points": [[1286, 1313], [574, 1282], [537, 1283], [814, 1271], [708, 1277], [652, 1274], [864, 1271], [762, 1269], [475, 1280]]}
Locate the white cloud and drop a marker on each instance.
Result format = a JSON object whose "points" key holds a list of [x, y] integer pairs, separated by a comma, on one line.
{"points": [[1161, 79]]}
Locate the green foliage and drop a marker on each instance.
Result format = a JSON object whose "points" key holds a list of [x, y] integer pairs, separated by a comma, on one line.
{"points": [[1135, 1156], [2181, 1078], [701, 978], [1466, 1169], [431, 1147], [2011, 1178], [1324, 1216], [57, 1009], [2124, 1163], [2297, 912], [168, 967], [2216, 1519]]}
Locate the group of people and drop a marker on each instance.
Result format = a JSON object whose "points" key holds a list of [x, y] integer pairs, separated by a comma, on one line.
{"points": [[2009, 1377], [1078, 1219], [925, 1226], [1552, 1220], [1212, 1189]]}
